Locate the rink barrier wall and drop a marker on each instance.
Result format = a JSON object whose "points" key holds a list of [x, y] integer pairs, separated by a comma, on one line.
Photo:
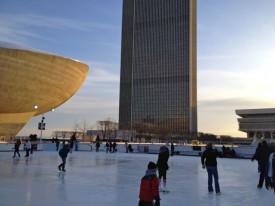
{"points": [[188, 150]]}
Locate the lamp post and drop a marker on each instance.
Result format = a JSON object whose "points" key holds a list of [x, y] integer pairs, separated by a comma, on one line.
{"points": [[41, 126]]}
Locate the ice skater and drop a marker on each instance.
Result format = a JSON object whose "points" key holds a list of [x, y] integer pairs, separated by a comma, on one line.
{"points": [[162, 164], [57, 142], [63, 153], [107, 147], [270, 181], [209, 160], [256, 156], [97, 145], [149, 187], [126, 147], [72, 141], [263, 161], [28, 148], [16, 148], [172, 149]]}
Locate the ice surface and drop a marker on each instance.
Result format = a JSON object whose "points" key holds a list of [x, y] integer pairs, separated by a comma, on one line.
{"points": [[102, 179]]}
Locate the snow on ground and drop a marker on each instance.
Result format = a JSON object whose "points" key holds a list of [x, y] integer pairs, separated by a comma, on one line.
{"points": [[102, 179]]}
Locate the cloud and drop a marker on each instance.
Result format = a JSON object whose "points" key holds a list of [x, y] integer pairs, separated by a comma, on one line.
{"points": [[19, 27]]}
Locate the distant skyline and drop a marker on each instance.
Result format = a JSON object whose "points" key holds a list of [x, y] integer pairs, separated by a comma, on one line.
{"points": [[235, 44]]}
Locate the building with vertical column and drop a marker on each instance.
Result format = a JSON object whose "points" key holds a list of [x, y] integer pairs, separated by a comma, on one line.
{"points": [[257, 123], [158, 80]]}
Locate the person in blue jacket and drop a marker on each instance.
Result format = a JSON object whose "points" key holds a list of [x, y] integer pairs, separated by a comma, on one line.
{"points": [[63, 153]]}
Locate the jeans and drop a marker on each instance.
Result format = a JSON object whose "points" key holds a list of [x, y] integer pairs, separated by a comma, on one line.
{"points": [[213, 171]]}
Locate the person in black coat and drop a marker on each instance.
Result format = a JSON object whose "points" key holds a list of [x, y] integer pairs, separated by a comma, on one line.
{"points": [[263, 162], [172, 149], [63, 153], [256, 156], [209, 161], [162, 164], [72, 141]]}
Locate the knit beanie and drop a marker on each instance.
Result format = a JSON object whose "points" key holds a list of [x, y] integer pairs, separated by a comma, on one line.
{"points": [[151, 166]]}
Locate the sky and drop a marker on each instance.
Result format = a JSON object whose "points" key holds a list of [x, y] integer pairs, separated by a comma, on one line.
{"points": [[235, 57]]}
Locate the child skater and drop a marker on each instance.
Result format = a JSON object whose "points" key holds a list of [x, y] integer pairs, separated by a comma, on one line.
{"points": [[63, 153], [149, 187]]}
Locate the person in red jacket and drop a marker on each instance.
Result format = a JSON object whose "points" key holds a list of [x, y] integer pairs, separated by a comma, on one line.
{"points": [[149, 187]]}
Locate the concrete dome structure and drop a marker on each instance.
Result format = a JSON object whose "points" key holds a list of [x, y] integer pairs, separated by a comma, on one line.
{"points": [[30, 77]]}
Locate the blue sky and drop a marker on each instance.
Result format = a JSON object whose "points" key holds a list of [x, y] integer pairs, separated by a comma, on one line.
{"points": [[236, 56]]}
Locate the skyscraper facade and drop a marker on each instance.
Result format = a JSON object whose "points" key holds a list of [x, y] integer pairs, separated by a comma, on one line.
{"points": [[158, 80]]}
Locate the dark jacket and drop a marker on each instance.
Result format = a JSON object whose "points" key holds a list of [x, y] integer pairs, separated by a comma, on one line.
{"points": [[63, 153], [257, 153], [209, 157], [149, 186], [163, 157], [264, 154]]}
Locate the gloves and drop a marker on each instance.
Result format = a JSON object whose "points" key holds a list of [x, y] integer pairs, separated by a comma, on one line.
{"points": [[203, 166], [157, 202]]}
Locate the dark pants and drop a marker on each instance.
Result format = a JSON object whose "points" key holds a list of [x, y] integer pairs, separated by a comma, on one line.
{"points": [[263, 172], [162, 173], [144, 203], [213, 172], [27, 152], [16, 151], [62, 165]]}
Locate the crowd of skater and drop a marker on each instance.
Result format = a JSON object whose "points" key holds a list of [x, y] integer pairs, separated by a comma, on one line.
{"points": [[154, 181]]}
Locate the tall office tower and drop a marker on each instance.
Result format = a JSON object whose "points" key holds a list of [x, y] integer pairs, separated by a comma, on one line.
{"points": [[158, 80]]}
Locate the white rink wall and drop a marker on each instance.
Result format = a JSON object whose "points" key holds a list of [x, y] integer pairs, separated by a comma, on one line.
{"points": [[191, 150]]}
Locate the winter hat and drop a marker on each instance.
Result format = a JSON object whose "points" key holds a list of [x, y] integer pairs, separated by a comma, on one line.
{"points": [[152, 166], [163, 149]]}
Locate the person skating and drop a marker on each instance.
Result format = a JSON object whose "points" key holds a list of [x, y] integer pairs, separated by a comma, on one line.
{"points": [[107, 145], [63, 153], [149, 187], [172, 149], [97, 145], [57, 142], [16, 148], [72, 141], [256, 156], [270, 181], [263, 162], [209, 161], [162, 164], [28, 148]]}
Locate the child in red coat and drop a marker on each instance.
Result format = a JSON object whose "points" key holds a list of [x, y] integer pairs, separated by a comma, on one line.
{"points": [[149, 187]]}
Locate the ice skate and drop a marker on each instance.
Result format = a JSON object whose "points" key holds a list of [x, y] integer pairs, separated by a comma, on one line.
{"points": [[164, 190]]}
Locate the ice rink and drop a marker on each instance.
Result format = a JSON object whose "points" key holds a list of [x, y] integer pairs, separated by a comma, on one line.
{"points": [[102, 179]]}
